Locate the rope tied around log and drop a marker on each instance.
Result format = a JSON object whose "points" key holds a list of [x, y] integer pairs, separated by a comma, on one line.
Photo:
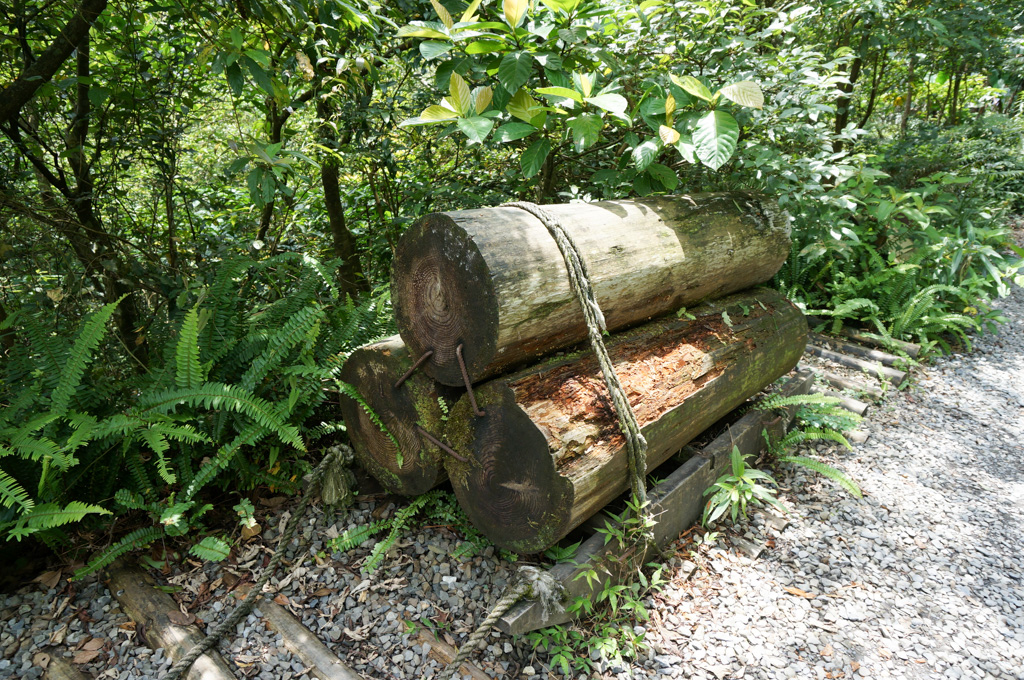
{"points": [[530, 583], [334, 467], [579, 281]]}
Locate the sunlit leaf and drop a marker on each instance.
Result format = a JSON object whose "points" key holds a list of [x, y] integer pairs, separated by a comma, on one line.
{"points": [[669, 136], [586, 130], [460, 96], [561, 92], [644, 154], [745, 93], [515, 10], [476, 128], [613, 103], [470, 13], [484, 47], [514, 70], [432, 49], [715, 137], [532, 159], [442, 14], [693, 86], [482, 98], [512, 131], [416, 29]]}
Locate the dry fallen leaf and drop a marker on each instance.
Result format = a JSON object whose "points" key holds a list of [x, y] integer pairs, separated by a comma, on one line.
{"points": [[324, 591], [827, 651], [48, 579], [250, 532], [179, 619], [85, 657], [884, 653], [129, 625], [799, 593], [855, 666], [282, 599], [93, 644], [41, 659], [354, 635]]}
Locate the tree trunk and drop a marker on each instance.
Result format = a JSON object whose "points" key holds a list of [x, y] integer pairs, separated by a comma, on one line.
{"points": [[908, 97], [844, 106], [954, 104], [493, 281], [548, 453], [407, 411]]}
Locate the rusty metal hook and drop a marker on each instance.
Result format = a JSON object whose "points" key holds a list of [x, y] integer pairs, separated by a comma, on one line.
{"points": [[419, 362], [469, 386], [439, 444]]}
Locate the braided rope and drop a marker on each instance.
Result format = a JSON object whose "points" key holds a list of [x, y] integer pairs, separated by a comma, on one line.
{"points": [[341, 455], [531, 583], [579, 280]]}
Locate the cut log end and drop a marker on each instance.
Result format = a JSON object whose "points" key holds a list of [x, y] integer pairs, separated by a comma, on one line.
{"points": [[444, 298], [509, 488], [414, 466]]}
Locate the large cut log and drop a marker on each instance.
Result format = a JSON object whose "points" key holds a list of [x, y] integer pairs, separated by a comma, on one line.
{"points": [[412, 412], [493, 282], [548, 453]]}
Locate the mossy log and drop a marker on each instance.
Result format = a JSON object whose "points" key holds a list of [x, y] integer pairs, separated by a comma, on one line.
{"points": [[548, 453], [412, 412], [492, 281]]}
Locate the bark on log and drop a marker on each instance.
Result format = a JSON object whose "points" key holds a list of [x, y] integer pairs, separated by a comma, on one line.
{"points": [[493, 280], [857, 386], [548, 453], [910, 348], [849, 403], [406, 411]]}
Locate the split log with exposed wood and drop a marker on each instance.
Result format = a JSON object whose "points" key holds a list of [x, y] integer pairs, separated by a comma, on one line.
{"points": [[413, 413], [493, 283], [548, 453]]}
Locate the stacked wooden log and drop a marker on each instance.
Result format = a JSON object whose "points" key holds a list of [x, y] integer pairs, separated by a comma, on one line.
{"points": [[483, 302]]}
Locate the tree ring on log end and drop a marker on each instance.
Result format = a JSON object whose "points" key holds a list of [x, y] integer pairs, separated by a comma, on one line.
{"points": [[509, 489], [373, 371], [444, 297]]}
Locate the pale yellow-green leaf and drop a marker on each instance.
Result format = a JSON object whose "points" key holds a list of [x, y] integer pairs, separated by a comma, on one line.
{"points": [[745, 93], [669, 136], [420, 32], [442, 14], [586, 85], [561, 92], [470, 14], [515, 10], [693, 87], [483, 98], [460, 96], [438, 112], [522, 106], [670, 105]]}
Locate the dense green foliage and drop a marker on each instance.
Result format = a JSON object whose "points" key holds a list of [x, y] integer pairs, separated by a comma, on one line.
{"points": [[199, 198]]}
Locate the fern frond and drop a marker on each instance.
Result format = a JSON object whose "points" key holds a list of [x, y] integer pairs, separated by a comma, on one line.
{"points": [[12, 493], [211, 549], [159, 444], [93, 330], [776, 401], [350, 538], [279, 344], [136, 540], [810, 434], [353, 393], [824, 470], [51, 515], [188, 372], [220, 461]]}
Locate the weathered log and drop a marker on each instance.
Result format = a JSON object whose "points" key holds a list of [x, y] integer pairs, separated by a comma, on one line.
{"points": [[677, 502], [57, 667], [136, 592], [852, 349], [892, 375], [412, 412], [857, 386], [849, 403], [910, 348], [493, 282], [548, 453]]}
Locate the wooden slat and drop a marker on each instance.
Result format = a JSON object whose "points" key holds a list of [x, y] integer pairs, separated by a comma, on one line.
{"points": [[852, 349], [881, 372], [857, 386], [313, 653], [136, 592], [444, 653], [849, 403]]}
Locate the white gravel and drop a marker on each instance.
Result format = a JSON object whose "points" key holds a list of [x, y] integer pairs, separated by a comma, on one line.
{"points": [[923, 578]]}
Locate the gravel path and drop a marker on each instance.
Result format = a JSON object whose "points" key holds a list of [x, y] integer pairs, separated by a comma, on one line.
{"points": [[923, 578]]}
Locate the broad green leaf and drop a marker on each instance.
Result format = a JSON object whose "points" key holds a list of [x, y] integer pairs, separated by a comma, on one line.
{"points": [[442, 14], [644, 154], [686, 148], [586, 86], [714, 138], [484, 47], [561, 92], [460, 96], [613, 103], [414, 31], [258, 74], [526, 108], [586, 130], [476, 128], [664, 174], [514, 11], [470, 14], [532, 159], [482, 98], [514, 70], [235, 78], [432, 49], [693, 87], [430, 116], [745, 93], [512, 131], [669, 136], [566, 6]]}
